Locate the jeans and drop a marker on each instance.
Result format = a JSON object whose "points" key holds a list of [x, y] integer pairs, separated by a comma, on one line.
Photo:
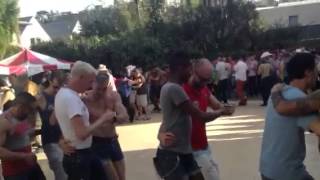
{"points": [[209, 167], [266, 86], [55, 157], [223, 90], [252, 85], [175, 166], [83, 165]]}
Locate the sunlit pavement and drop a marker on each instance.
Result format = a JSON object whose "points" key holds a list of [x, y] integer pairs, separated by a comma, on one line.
{"points": [[235, 142]]}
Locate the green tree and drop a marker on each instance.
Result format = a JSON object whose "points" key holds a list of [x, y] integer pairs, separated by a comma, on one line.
{"points": [[8, 23], [103, 21]]}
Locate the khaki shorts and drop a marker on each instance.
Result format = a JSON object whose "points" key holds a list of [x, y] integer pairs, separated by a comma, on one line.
{"points": [[142, 100], [133, 97]]}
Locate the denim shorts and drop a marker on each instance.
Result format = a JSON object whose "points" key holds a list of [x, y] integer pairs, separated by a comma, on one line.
{"points": [[172, 165], [107, 148], [83, 165]]}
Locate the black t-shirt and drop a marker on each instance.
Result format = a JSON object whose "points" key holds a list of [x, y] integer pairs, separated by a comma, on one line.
{"points": [[143, 89]]}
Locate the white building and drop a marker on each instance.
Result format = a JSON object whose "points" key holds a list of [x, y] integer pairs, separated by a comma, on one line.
{"points": [[31, 32], [305, 13], [63, 26]]}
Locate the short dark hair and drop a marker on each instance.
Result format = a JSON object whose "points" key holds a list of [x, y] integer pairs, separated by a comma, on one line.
{"points": [[299, 64], [178, 59], [102, 78], [59, 76], [24, 98]]}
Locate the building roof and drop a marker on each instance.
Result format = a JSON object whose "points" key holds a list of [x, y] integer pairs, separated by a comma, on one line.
{"points": [[25, 19], [290, 4], [60, 27], [24, 22]]}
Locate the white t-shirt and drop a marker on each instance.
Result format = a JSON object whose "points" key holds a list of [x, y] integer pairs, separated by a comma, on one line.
{"points": [[241, 69], [223, 70], [67, 105]]}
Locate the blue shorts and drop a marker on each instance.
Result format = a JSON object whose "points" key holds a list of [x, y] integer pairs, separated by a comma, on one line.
{"points": [[171, 165], [107, 148]]}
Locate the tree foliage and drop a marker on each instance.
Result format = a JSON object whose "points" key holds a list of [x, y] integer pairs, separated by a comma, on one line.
{"points": [[8, 23], [142, 32]]}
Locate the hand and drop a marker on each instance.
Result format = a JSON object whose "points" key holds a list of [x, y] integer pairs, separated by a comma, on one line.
{"points": [[30, 158], [66, 146], [166, 138], [314, 100], [228, 110], [278, 87], [108, 116]]}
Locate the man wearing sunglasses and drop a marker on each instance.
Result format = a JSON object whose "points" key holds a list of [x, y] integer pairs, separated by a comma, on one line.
{"points": [[175, 159], [202, 98], [50, 130]]}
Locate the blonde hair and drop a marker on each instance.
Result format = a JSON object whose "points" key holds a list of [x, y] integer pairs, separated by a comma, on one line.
{"points": [[81, 68]]}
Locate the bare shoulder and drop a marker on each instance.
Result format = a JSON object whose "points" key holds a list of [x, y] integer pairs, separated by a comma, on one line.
{"points": [[115, 96], [4, 123]]}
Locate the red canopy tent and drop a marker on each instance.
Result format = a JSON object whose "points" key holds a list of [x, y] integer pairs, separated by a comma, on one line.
{"points": [[30, 62]]}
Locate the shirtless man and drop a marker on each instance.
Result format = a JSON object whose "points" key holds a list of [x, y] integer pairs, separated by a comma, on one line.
{"points": [[105, 139], [18, 161]]}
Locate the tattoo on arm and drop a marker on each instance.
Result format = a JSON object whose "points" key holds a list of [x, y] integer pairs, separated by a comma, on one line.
{"points": [[276, 98], [303, 106]]}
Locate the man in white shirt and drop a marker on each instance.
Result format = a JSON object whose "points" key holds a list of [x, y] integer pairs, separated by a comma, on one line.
{"points": [[241, 69], [73, 118], [223, 70]]}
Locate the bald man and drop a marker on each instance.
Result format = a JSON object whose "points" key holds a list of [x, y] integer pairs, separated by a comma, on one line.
{"points": [[202, 98]]}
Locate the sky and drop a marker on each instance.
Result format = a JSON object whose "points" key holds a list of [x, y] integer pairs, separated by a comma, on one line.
{"points": [[30, 7]]}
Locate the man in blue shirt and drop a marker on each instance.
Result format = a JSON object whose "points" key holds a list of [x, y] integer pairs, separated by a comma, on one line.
{"points": [[283, 145]]}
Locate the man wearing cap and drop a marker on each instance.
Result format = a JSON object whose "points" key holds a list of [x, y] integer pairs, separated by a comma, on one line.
{"points": [[265, 73], [102, 69]]}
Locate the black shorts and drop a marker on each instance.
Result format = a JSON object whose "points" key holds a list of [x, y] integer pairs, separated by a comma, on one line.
{"points": [[83, 165], [172, 165], [107, 148]]}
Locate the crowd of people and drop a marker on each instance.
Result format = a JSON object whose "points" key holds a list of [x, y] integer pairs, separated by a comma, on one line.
{"points": [[253, 75], [78, 112]]}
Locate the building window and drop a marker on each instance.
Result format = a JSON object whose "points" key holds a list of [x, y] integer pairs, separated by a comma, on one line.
{"points": [[33, 41], [38, 40], [293, 20]]}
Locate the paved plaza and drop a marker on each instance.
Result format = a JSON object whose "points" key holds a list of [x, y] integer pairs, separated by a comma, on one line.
{"points": [[235, 142]]}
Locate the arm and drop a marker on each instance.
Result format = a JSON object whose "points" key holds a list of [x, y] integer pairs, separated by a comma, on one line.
{"points": [[259, 71], [41, 101], [214, 103], [188, 107], [6, 154], [83, 132], [53, 119], [301, 106], [121, 112], [181, 100], [314, 126]]}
